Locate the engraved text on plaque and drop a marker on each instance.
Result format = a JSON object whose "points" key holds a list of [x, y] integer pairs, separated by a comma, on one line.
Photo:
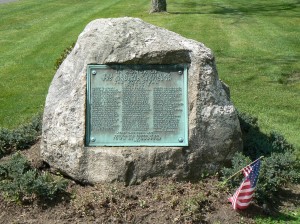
{"points": [[137, 105]]}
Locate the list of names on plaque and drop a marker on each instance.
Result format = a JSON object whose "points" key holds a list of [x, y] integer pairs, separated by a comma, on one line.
{"points": [[135, 109], [105, 106], [167, 103], [137, 106]]}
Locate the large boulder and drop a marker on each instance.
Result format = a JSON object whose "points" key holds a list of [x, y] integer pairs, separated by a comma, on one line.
{"points": [[214, 130]]}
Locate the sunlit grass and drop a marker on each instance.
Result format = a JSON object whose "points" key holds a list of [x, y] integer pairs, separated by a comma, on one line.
{"points": [[291, 217], [256, 45]]}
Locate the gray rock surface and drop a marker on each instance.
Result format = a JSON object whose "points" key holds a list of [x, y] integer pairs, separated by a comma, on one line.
{"points": [[214, 131], [6, 1]]}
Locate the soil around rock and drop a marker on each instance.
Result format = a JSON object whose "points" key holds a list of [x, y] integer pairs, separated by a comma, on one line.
{"points": [[156, 200]]}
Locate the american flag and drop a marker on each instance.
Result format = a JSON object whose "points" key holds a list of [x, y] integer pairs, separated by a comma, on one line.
{"points": [[244, 194]]}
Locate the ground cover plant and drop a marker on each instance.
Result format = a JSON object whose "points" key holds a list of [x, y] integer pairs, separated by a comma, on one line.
{"points": [[19, 182], [20, 138]]}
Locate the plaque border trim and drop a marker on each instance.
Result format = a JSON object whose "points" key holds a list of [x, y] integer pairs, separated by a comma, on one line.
{"points": [[89, 143]]}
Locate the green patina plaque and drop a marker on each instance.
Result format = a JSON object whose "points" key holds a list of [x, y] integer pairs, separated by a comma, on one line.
{"points": [[137, 105]]}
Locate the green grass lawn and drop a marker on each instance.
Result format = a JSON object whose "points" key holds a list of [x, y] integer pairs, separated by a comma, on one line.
{"points": [[256, 43], [291, 217]]}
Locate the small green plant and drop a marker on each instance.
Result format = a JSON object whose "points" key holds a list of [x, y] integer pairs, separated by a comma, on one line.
{"points": [[195, 207], [19, 182], [279, 167], [63, 56], [20, 138], [143, 204], [238, 162], [193, 204], [279, 143], [5, 139], [277, 171]]}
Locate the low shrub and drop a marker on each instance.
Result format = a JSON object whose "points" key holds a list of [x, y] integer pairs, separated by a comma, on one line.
{"points": [[20, 138], [279, 167], [238, 161], [5, 139], [63, 56], [19, 182], [276, 171]]}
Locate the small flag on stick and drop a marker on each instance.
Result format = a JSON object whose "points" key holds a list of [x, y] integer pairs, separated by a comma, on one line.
{"points": [[244, 194]]}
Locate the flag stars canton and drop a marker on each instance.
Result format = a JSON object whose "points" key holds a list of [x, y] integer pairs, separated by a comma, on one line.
{"points": [[253, 176]]}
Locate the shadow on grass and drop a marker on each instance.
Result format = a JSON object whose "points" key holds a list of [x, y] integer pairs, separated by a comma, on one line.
{"points": [[238, 9], [256, 143], [290, 75], [258, 212], [289, 196], [272, 213]]}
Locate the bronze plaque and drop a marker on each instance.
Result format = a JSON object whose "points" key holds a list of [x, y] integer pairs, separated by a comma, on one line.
{"points": [[137, 105]]}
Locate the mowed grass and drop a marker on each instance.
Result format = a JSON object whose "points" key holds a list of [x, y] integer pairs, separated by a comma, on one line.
{"points": [[256, 44]]}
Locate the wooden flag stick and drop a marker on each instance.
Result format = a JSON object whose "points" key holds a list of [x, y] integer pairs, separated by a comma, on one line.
{"points": [[240, 170]]}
